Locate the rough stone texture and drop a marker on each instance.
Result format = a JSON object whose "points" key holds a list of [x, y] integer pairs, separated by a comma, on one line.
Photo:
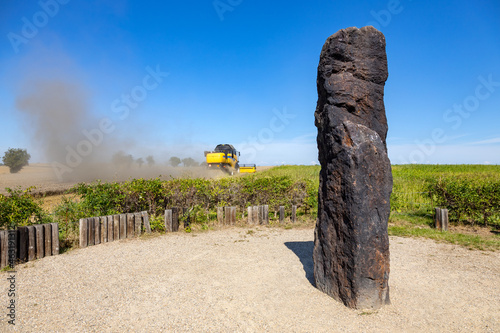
{"points": [[351, 251]]}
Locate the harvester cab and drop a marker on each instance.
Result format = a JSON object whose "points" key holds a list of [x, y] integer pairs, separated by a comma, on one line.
{"points": [[224, 157]]}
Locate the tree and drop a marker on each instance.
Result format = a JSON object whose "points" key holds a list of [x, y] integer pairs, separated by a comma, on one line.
{"points": [[122, 159], [151, 161], [174, 161], [189, 162], [16, 159], [139, 161]]}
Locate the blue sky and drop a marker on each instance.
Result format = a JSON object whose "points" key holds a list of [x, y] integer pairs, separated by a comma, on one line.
{"points": [[176, 78]]}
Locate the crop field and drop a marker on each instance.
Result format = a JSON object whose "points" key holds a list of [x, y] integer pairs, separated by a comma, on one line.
{"points": [[470, 192]]}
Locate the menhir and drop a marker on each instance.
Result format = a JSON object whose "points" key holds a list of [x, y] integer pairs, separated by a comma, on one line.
{"points": [[351, 246]]}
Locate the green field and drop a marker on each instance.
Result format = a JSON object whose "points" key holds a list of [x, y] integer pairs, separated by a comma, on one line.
{"points": [[470, 192]]}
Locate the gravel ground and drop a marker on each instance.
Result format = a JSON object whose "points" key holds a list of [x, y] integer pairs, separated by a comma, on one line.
{"points": [[236, 280]]}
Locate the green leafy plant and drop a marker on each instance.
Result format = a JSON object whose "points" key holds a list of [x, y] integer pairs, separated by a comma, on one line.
{"points": [[19, 208], [157, 223]]}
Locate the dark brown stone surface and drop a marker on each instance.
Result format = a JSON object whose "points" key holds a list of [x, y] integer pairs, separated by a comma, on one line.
{"points": [[351, 252]]}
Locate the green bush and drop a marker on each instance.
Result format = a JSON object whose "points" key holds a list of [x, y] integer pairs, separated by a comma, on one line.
{"points": [[473, 198], [20, 209]]}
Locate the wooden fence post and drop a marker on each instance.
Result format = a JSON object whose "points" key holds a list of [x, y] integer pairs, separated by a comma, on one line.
{"points": [[227, 215], [4, 248], [441, 219], [110, 228], [39, 241], [123, 226], [31, 243], [84, 232], [255, 215], [130, 226], [168, 220], [22, 248], [250, 215], [282, 214], [260, 214], [437, 218], [104, 229], [444, 219], [138, 224], [220, 215], [233, 215], [97, 230], [47, 233], [175, 219], [55, 239], [294, 214], [91, 227], [145, 218], [266, 214], [116, 227]]}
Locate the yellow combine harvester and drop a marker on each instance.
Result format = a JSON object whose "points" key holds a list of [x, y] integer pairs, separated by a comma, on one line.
{"points": [[223, 157]]}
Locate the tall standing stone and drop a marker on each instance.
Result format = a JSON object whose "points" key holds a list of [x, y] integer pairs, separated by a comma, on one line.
{"points": [[351, 246]]}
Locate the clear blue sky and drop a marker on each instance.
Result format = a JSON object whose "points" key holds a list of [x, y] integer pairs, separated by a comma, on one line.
{"points": [[244, 72]]}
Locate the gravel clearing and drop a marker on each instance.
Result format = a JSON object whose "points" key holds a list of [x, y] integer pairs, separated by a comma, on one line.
{"points": [[236, 280]]}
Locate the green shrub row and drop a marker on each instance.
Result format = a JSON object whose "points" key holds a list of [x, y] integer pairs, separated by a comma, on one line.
{"points": [[155, 195], [472, 198]]}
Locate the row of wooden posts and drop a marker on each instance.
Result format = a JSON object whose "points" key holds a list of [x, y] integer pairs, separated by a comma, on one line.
{"points": [[28, 243], [256, 215], [103, 229]]}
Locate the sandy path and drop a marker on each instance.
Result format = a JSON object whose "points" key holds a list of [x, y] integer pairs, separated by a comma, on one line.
{"points": [[233, 281]]}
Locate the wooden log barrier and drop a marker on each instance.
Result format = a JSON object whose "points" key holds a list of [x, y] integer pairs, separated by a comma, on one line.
{"points": [[130, 226], [255, 215], [97, 230], [220, 215], [47, 235], [145, 219], [175, 219], [110, 228], [39, 241], [31, 243], [104, 229], [116, 227], [91, 227], [168, 220], [294, 214], [83, 231], [4, 248], [250, 215], [22, 243], [123, 226], [55, 238], [138, 224], [282, 214]]}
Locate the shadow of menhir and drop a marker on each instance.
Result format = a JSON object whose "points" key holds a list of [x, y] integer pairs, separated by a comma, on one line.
{"points": [[304, 250]]}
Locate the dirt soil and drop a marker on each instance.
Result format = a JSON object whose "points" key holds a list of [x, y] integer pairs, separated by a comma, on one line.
{"points": [[247, 280]]}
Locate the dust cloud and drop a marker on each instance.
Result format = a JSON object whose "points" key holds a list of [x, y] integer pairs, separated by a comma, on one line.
{"points": [[80, 146]]}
